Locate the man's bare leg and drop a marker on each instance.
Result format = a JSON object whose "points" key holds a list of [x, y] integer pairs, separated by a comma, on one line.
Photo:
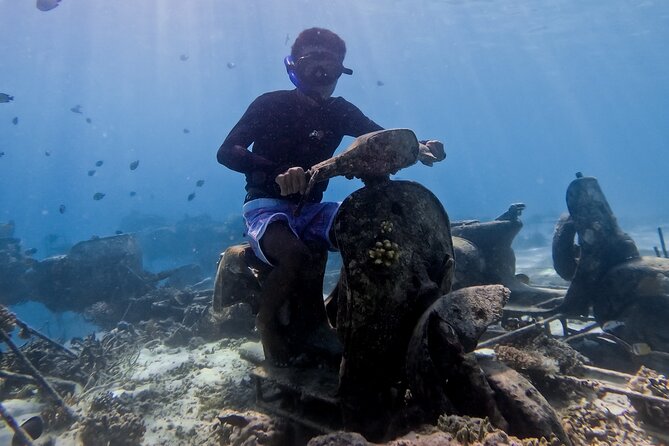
{"points": [[318, 340], [289, 256]]}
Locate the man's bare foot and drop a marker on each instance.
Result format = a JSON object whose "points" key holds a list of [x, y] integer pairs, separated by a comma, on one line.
{"points": [[275, 346]]}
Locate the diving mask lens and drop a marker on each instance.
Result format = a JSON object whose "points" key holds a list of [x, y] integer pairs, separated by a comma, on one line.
{"points": [[319, 68]]}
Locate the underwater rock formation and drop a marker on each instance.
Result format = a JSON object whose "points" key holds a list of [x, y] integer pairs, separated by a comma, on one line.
{"points": [[110, 422], [649, 382], [593, 422], [248, 428]]}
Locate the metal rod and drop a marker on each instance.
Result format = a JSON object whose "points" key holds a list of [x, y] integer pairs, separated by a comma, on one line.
{"points": [[21, 378], [20, 434], [33, 371], [34, 332], [664, 247], [582, 331], [493, 341], [626, 376], [593, 383]]}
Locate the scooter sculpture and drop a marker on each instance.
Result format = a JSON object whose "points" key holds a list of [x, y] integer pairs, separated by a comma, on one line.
{"points": [[627, 293], [407, 340]]}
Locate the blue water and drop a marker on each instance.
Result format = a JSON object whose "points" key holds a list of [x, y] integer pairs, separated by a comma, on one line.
{"points": [[523, 93]]}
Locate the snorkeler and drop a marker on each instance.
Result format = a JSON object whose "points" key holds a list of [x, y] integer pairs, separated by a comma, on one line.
{"points": [[291, 130]]}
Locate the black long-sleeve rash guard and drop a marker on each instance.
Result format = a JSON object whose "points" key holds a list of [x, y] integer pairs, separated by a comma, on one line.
{"points": [[288, 129]]}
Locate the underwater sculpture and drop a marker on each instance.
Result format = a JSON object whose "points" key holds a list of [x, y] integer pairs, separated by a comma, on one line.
{"points": [[101, 269], [404, 333], [397, 253], [485, 257], [101, 278], [627, 292], [483, 251]]}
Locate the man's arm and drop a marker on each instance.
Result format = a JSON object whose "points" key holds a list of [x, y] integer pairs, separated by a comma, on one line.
{"points": [[354, 122], [241, 159], [234, 153]]}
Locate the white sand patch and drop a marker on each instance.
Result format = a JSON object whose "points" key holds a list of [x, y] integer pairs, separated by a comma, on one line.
{"points": [[21, 410], [157, 362], [208, 376], [180, 419], [174, 382], [537, 263]]}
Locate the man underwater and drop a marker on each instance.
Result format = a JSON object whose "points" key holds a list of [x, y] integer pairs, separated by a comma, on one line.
{"points": [[291, 130]]}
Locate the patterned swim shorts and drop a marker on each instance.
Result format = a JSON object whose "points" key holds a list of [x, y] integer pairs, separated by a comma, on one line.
{"points": [[313, 223]]}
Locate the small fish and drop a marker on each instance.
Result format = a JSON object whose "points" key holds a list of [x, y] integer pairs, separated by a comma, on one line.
{"points": [[118, 232], [99, 163], [29, 252], [133, 193], [89, 120], [62, 209], [15, 120], [4, 97], [2, 154], [186, 131], [91, 172], [47, 153], [47, 5], [76, 109], [191, 196], [380, 83], [199, 183], [98, 196], [134, 165], [183, 57], [231, 65]]}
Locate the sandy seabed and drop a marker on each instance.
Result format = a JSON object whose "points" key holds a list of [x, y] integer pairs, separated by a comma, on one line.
{"points": [[177, 391]]}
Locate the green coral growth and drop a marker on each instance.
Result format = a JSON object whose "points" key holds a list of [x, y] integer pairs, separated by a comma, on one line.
{"points": [[384, 253], [386, 227]]}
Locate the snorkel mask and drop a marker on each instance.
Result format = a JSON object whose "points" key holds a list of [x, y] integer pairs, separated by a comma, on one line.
{"points": [[315, 69]]}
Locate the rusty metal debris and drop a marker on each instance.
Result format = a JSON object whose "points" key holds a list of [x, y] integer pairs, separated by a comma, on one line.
{"points": [[39, 378]]}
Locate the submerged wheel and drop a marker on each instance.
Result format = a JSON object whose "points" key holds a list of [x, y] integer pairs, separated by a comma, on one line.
{"points": [[566, 252]]}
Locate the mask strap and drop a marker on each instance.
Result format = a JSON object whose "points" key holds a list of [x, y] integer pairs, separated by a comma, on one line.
{"points": [[290, 69]]}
